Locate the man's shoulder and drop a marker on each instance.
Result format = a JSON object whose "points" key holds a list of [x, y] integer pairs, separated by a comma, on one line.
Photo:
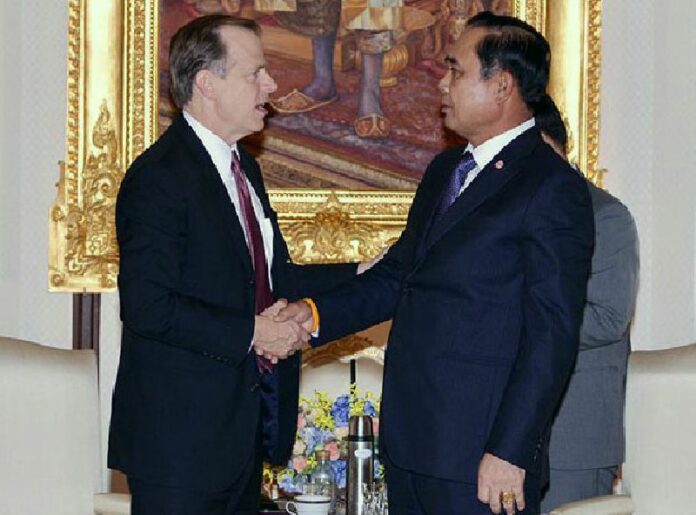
{"points": [[167, 156], [165, 149], [606, 205], [547, 167]]}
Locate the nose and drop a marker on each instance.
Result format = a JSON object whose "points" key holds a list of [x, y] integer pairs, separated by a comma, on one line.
{"points": [[444, 83], [269, 85]]}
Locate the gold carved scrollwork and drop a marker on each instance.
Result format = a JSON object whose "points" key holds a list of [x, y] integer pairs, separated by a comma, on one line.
{"points": [[350, 347], [324, 226], [90, 233]]}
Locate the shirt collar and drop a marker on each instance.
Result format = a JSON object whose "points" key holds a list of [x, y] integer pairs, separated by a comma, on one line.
{"points": [[486, 151], [217, 148]]}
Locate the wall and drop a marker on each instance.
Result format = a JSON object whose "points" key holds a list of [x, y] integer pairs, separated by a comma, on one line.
{"points": [[32, 141], [648, 144]]}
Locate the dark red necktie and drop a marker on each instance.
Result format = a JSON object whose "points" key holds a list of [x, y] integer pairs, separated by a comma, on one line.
{"points": [[264, 295]]}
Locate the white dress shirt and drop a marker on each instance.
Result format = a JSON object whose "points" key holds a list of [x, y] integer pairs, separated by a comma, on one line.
{"points": [[486, 151], [221, 154]]}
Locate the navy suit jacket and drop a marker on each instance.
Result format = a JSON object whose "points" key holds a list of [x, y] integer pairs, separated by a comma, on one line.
{"points": [[186, 404], [486, 309]]}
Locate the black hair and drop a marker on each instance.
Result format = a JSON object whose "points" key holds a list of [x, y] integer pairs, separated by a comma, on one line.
{"points": [[549, 121], [516, 47]]}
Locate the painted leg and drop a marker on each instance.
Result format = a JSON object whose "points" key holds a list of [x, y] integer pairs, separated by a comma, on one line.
{"points": [[371, 122], [322, 90], [323, 85]]}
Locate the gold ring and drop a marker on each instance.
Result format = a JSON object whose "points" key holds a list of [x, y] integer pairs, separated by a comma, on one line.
{"points": [[507, 497]]}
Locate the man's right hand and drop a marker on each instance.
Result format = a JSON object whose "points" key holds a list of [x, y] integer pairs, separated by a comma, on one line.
{"points": [[299, 312], [277, 339]]}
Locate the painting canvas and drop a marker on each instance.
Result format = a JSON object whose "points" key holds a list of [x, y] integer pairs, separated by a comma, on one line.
{"points": [[340, 196], [346, 138]]}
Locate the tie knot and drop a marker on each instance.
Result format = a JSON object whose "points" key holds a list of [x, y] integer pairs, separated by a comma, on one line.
{"points": [[465, 165], [467, 161], [235, 165]]}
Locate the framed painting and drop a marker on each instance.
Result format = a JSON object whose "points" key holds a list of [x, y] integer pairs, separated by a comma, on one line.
{"points": [[342, 189]]}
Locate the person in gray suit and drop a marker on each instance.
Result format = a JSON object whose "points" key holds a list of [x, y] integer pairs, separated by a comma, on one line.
{"points": [[587, 436]]}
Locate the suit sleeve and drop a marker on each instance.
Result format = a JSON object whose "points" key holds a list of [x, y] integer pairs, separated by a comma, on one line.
{"points": [[151, 224], [313, 279], [556, 251], [611, 290], [372, 297]]}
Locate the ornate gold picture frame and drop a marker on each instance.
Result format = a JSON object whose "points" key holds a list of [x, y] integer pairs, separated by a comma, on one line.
{"points": [[112, 91]]}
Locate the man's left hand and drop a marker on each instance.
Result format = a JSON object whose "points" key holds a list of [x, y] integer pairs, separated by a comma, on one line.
{"points": [[497, 477]]}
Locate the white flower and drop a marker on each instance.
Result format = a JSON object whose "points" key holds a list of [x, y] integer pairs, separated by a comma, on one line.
{"points": [[299, 448]]}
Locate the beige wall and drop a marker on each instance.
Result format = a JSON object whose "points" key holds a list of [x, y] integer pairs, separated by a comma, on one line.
{"points": [[648, 144], [32, 136]]}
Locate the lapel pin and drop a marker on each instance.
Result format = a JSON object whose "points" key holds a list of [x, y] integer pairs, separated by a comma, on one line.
{"points": [[499, 164]]}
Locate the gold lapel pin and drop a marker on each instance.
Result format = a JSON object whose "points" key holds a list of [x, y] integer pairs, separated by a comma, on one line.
{"points": [[499, 164]]}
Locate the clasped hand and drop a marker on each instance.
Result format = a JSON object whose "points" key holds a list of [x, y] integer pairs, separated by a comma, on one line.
{"points": [[281, 330]]}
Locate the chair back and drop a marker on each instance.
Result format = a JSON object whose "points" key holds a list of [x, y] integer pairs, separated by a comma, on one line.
{"points": [[660, 469], [49, 429]]}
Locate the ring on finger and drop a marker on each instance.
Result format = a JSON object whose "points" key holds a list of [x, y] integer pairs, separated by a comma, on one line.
{"points": [[507, 497]]}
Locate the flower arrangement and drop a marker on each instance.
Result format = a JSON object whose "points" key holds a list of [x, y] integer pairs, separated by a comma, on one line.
{"points": [[322, 424]]}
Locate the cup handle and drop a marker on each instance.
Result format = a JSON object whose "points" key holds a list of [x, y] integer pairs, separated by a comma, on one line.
{"points": [[289, 505]]}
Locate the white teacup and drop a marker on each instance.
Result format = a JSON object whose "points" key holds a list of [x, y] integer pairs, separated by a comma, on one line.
{"points": [[309, 505]]}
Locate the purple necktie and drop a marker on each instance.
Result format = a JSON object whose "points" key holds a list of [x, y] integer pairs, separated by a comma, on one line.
{"points": [[454, 185], [264, 295]]}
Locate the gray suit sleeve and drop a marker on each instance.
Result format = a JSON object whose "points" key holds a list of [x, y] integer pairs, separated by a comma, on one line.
{"points": [[611, 290]]}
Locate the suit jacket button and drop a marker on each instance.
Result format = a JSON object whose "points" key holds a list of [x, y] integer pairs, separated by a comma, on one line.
{"points": [[254, 387], [251, 282]]}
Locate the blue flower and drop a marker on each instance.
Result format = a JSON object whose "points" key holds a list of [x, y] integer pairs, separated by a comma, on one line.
{"points": [[311, 438], [370, 409], [377, 466], [289, 485], [326, 436], [339, 467], [340, 410]]}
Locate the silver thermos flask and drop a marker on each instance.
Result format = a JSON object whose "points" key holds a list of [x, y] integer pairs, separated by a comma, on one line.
{"points": [[360, 462]]}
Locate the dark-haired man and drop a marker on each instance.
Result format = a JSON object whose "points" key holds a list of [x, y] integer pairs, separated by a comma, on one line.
{"points": [[587, 436], [200, 395], [486, 288]]}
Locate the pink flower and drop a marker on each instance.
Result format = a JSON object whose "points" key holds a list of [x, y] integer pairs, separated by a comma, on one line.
{"points": [[301, 422], [375, 426], [299, 463], [334, 452]]}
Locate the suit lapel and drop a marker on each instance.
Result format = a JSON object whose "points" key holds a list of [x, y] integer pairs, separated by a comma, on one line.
{"points": [[215, 190], [495, 175]]}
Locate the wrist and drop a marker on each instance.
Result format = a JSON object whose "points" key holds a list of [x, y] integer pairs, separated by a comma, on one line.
{"points": [[315, 314], [259, 328]]}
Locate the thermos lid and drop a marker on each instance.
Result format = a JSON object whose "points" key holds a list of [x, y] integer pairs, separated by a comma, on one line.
{"points": [[360, 426]]}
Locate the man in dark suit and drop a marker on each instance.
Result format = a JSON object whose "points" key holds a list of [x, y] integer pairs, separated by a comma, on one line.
{"points": [[200, 396], [486, 288], [587, 437]]}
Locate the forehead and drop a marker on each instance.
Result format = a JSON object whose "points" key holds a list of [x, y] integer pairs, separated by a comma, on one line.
{"points": [[464, 49], [242, 44]]}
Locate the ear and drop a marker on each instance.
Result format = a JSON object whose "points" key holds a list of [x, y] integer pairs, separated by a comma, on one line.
{"points": [[504, 85], [205, 84]]}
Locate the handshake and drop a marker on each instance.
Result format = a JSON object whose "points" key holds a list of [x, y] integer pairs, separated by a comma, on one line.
{"points": [[282, 329]]}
